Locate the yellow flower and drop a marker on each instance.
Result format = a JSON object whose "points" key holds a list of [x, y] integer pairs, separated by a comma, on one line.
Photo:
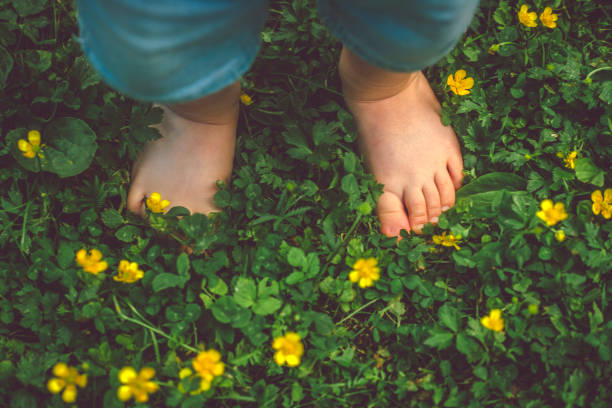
{"points": [[560, 235], [156, 204], [91, 263], [208, 365], [459, 84], [447, 240], [570, 160], [245, 99], [550, 213], [66, 378], [602, 203], [136, 385], [128, 272], [289, 349], [527, 18], [548, 18], [493, 321], [365, 272], [31, 147]]}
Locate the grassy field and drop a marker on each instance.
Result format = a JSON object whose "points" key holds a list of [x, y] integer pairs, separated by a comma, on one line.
{"points": [[217, 291]]}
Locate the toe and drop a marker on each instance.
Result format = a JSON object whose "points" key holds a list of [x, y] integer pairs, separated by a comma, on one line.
{"points": [[446, 188], [432, 199], [392, 215], [135, 201], [417, 208], [455, 169]]}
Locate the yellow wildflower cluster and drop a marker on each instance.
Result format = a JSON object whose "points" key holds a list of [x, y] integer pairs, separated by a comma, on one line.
{"points": [[548, 18], [31, 147], [128, 272], [560, 235], [91, 263], [66, 378], [289, 349], [570, 159], [493, 321], [156, 204], [602, 203], [246, 99], [529, 18], [458, 82], [207, 365], [447, 240], [136, 385], [551, 213], [365, 272]]}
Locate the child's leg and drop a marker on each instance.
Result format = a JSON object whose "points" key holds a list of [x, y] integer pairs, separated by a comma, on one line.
{"points": [[188, 56], [405, 145], [398, 117], [196, 150]]}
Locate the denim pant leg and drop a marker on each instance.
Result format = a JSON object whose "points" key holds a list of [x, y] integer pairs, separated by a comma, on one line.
{"points": [[398, 35], [170, 51]]}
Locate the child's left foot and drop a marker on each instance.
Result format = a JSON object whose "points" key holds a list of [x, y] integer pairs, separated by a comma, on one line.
{"points": [[411, 153]]}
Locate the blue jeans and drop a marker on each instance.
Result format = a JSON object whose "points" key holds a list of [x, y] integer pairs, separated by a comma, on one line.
{"points": [[171, 51]]}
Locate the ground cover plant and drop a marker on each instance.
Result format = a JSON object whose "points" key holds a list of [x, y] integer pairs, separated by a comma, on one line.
{"points": [[291, 297]]}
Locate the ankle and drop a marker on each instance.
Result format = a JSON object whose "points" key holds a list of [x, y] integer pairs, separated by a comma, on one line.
{"points": [[364, 82], [219, 108]]}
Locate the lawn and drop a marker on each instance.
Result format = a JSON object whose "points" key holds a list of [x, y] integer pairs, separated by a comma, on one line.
{"points": [[503, 303]]}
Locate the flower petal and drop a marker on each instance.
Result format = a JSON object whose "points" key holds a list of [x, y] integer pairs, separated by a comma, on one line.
{"points": [[55, 385], [70, 393], [607, 198], [124, 393], [127, 375]]}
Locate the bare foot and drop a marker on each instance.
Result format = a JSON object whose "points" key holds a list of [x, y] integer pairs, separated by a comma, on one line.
{"points": [[409, 151], [184, 164]]}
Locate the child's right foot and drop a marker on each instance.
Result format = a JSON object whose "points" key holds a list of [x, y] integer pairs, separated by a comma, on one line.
{"points": [[185, 163]]}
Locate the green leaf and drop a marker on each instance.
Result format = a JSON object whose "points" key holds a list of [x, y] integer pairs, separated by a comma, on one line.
{"points": [[168, 280], [38, 60], [295, 277], [449, 316], [245, 292], [217, 286], [266, 306], [224, 309], [6, 66], [182, 264], [468, 346], [65, 254], [29, 7], [440, 339], [127, 233], [111, 218], [296, 257], [71, 145], [492, 182], [84, 73], [349, 186], [588, 172], [350, 162]]}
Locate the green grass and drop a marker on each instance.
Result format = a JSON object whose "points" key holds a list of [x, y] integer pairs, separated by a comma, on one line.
{"points": [[294, 222]]}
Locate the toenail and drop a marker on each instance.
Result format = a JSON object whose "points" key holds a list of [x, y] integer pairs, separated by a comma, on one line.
{"points": [[444, 208], [433, 219], [419, 227]]}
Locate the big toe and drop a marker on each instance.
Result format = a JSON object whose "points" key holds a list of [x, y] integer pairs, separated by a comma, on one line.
{"points": [[391, 213], [135, 200]]}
